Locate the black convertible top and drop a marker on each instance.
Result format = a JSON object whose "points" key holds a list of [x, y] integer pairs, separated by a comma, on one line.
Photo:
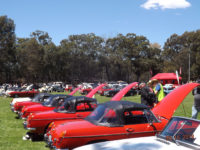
{"points": [[125, 105], [118, 107], [71, 103], [79, 99], [53, 99], [40, 97]]}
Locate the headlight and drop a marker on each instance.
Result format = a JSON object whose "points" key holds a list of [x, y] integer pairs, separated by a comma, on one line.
{"points": [[63, 133], [31, 116]]}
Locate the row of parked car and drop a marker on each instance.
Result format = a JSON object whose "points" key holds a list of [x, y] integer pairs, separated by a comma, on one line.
{"points": [[73, 122]]}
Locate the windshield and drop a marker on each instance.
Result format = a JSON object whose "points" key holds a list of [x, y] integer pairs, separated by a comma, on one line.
{"points": [[48, 101], [104, 116], [36, 98], [63, 108], [182, 130]]}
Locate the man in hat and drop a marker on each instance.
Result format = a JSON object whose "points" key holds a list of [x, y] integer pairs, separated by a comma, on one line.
{"points": [[196, 106], [147, 96], [158, 89]]}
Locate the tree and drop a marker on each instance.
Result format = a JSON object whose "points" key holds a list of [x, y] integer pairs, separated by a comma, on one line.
{"points": [[7, 48]]}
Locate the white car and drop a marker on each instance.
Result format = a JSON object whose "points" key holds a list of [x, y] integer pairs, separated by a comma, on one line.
{"points": [[179, 134], [12, 103]]}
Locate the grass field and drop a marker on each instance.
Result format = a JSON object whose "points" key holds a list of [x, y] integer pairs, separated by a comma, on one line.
{"points": [[11, 129]]}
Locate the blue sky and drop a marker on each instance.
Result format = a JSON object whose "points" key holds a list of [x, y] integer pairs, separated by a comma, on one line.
{"points": [[155, 19]]}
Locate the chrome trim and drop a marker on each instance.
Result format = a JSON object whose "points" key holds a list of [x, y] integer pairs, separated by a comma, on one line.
{"points": [[91, 136], [55, 119], [32, 129]]}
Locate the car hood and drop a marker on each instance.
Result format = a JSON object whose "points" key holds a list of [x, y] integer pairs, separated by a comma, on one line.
{"points": [[49, 115], [20, 100], [26, 103], [143, 143], [37, 107], [170, 103]]}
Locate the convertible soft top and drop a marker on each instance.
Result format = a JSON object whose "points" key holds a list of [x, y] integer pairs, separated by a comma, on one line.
{"points": [[71, 103], [115, 111], [125, 105]]}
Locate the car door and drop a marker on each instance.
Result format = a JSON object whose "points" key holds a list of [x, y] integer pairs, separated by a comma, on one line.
{"points": [[137, 125], [82, 110]]}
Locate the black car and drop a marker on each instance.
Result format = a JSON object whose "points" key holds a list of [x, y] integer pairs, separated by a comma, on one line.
{"points": [[58, 89], [111, 93]]}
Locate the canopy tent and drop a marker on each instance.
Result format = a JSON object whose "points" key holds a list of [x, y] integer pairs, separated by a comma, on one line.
{"points": [[165, 78]]}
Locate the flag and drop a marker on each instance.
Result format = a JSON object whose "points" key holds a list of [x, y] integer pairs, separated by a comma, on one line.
{"points": [[177, 76]]}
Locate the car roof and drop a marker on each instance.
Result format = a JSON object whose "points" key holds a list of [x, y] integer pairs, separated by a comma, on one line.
{"points": [[125, 105], [76, 99]]}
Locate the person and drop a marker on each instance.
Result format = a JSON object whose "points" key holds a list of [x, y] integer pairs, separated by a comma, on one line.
{"points": [[158, 89], [196, 106], [147, 96]]}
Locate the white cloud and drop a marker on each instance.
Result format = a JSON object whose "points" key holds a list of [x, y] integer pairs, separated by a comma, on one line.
{"points": [[166, 4]]}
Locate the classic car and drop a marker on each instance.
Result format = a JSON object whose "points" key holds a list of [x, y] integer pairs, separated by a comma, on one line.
{"points": [[85, 91], [118, 120], [51, 103], [180, 133], [111, 93], [39, 98], [71, 110], [15, 100], [76, 107], [68, 88], [104, 89], [31, 93], [58, 89], [87, 88]]}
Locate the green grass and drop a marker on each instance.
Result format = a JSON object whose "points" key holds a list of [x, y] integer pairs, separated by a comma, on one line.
{"points": [[11, 129]]}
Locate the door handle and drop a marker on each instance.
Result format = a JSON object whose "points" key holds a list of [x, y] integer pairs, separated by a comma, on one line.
{"points": [[130, 130]]}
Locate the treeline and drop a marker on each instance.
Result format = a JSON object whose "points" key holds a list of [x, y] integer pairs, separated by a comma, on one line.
{"points": [[88, 57]]}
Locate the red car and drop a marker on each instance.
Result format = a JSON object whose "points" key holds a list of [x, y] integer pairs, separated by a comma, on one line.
{"points": [[69, 88], [51, 103], [23, 93], [37, 123], [39, 98], [85, 91], [118, 120], [117, 97], [102, 90], [77, 107]]}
